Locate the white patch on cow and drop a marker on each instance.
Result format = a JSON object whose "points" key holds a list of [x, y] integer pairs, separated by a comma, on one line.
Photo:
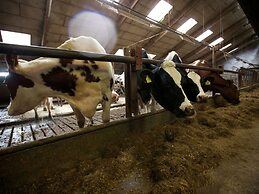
{"points": [[171, 55], [87, 94], [197, 80], [169, 67]]}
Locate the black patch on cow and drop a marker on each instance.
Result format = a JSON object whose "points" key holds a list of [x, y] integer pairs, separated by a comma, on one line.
{"points": [[60, 80], [12, 61], [105, 98], [71, 70], [95, 67], [86, 72], [14, 80], [111, 83], [65, 62], [177, 59]]}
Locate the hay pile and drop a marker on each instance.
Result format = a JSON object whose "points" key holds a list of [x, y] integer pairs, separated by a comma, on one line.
{"points": [[170, 159]]}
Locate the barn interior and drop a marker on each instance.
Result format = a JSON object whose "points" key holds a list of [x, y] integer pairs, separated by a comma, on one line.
{"points": [[225, 33]]}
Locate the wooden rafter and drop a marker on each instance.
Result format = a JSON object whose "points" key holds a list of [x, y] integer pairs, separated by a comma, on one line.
{"points": [[208, 25], [200, 48], [46, 21], [188, 7]]}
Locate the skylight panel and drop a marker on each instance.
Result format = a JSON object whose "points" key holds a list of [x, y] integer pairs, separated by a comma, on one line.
{"points": [[217, 41], [4, 74], [120, 52], [187, 25], [224, 47], [204, 35], [160, 10], [232, 50], [16, 38]]}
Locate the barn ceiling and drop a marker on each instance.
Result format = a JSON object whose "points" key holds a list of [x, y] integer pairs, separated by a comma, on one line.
{"points": [[50, 23]]}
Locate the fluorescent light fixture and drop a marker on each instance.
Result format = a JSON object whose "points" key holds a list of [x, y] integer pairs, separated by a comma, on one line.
{"points": [[159, 11], [4, 74], [151, 56], [217, 41], [120, 52], [232, 50], [16, 38], [204, 35], [224, 47], [187, 25]]}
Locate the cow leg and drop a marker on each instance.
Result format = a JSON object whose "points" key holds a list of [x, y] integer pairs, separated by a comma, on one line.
{"points": [[47, 103], [79, 116], [106, 104], [36, 114]]}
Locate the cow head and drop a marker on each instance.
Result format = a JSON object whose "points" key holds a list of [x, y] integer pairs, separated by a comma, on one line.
{"points": [[166, 89], [21, 88], [214, 82]]}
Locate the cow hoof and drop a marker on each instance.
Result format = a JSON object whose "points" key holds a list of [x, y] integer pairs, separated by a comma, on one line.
{"points": [[81, 124]]}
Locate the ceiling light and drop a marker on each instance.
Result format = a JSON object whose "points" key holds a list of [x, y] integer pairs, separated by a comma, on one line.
{"points": [[224, 47], [187, 25], [151, 56], [204, 35], [232, 50], [159, 11], [217, 41], [16, 38], [120, 52]]}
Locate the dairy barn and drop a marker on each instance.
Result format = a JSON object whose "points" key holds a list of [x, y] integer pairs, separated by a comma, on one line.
{"points": [[129, 96]]}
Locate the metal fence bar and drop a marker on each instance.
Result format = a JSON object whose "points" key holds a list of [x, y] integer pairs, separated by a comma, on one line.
{"points": [[61, 53]]}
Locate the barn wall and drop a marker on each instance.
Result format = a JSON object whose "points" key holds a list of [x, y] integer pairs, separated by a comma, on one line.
{"points": [[249, 54]]}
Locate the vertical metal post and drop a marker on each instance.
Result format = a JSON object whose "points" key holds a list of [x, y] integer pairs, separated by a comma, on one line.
{"points": [[240, 74], [127, 70]]}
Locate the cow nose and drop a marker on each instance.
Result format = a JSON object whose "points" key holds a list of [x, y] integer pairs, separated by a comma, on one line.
{"points": [[201, 98], [189, 111]]}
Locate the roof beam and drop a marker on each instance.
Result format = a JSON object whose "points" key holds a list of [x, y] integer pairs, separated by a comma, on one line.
{"points": [[208, 25], [200, 48], [46, 22], [246, 42], [123, 18], [188, 7]]}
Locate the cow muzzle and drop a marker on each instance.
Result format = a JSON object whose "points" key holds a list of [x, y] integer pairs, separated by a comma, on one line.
{"points": [[189, 111], [202, 98]]}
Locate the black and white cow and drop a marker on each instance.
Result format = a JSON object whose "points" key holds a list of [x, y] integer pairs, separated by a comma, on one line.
{"points": [[190, 81], [164, 84], [82, 83]]}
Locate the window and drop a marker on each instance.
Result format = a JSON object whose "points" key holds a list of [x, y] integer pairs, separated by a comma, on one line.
{"points": [[16, 38], [160, 10], [186, 26], [217, 41], [204, 35], [233, 50], [120, 52], [224, 47]]}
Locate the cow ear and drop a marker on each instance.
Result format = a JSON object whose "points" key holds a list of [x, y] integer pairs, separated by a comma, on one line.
{"points": [[147, 76]]}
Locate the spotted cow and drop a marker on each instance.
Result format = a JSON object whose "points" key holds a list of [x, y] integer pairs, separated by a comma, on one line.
{"points": [[212, 81], [82, 83], [164, 84], [190, 81]]}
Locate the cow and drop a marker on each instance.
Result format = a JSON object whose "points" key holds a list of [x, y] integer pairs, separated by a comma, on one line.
{"points": [[191, 81], [164, 84], [212, 81], [82, 83]]}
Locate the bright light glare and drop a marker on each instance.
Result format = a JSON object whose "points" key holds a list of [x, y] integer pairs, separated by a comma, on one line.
{"points": [[4, 74], [224, 47], [120, 52], [16, 38], [217, 41], [151, 56], [186, 26], [95, 25], [160, 10], [232, 50], [204, 35]]}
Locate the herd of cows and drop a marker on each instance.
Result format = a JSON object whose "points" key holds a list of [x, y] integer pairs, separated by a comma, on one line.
{"points": [[85, 83]]}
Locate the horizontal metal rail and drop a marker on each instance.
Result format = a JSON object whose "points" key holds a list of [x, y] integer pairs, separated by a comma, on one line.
{"points": [[62, 53]]}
